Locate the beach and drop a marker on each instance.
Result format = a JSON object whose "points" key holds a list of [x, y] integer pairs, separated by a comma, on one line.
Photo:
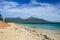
{"points": [[12, 31]]}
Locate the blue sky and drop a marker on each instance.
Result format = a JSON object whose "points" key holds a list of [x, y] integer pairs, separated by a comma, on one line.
{"points": [[45, 9]]}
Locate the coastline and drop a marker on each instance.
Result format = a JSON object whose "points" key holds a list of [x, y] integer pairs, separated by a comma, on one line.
{"points": [[21, 32], [44, 29]]}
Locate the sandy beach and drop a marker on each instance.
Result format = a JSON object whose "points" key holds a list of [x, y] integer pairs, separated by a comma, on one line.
{"points": [[12, 31]]}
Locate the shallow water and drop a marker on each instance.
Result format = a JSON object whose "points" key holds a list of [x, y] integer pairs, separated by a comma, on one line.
{"points": [[52, 27]]}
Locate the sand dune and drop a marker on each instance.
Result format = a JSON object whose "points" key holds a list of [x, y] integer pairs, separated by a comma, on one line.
{"points": [[20, 32]]}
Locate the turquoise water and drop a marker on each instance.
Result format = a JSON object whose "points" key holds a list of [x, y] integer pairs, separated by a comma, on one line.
{"points": [[54, 27]]}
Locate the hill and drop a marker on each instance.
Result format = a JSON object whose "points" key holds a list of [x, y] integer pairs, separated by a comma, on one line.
{"points": [[29, 20]]}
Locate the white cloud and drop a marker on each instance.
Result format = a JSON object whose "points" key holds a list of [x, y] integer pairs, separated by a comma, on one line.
{"points": [[33, 2], [7, 5], [45, 11]]}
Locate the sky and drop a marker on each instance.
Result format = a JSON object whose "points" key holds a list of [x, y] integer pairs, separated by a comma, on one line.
{"points": [[43, 9]]}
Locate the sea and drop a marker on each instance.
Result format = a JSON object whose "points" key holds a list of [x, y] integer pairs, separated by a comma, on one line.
{"points": [[50, 27]]}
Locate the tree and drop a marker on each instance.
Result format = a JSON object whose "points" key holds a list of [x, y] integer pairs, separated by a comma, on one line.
{"points": [[1, 18]]}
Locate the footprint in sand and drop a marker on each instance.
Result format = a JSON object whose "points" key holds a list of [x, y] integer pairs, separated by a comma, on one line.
{"points": [[1, 32], [16, 28], [47, 38]]}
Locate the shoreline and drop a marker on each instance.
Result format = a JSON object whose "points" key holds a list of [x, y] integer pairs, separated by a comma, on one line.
{"points": [[44, 29], [21, 32]]}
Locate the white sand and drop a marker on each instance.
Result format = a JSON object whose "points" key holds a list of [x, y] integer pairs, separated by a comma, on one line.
{"points": [[19, 32]]}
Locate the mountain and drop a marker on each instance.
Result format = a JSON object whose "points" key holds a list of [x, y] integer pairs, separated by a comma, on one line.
{"points": [[29, 20]]}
